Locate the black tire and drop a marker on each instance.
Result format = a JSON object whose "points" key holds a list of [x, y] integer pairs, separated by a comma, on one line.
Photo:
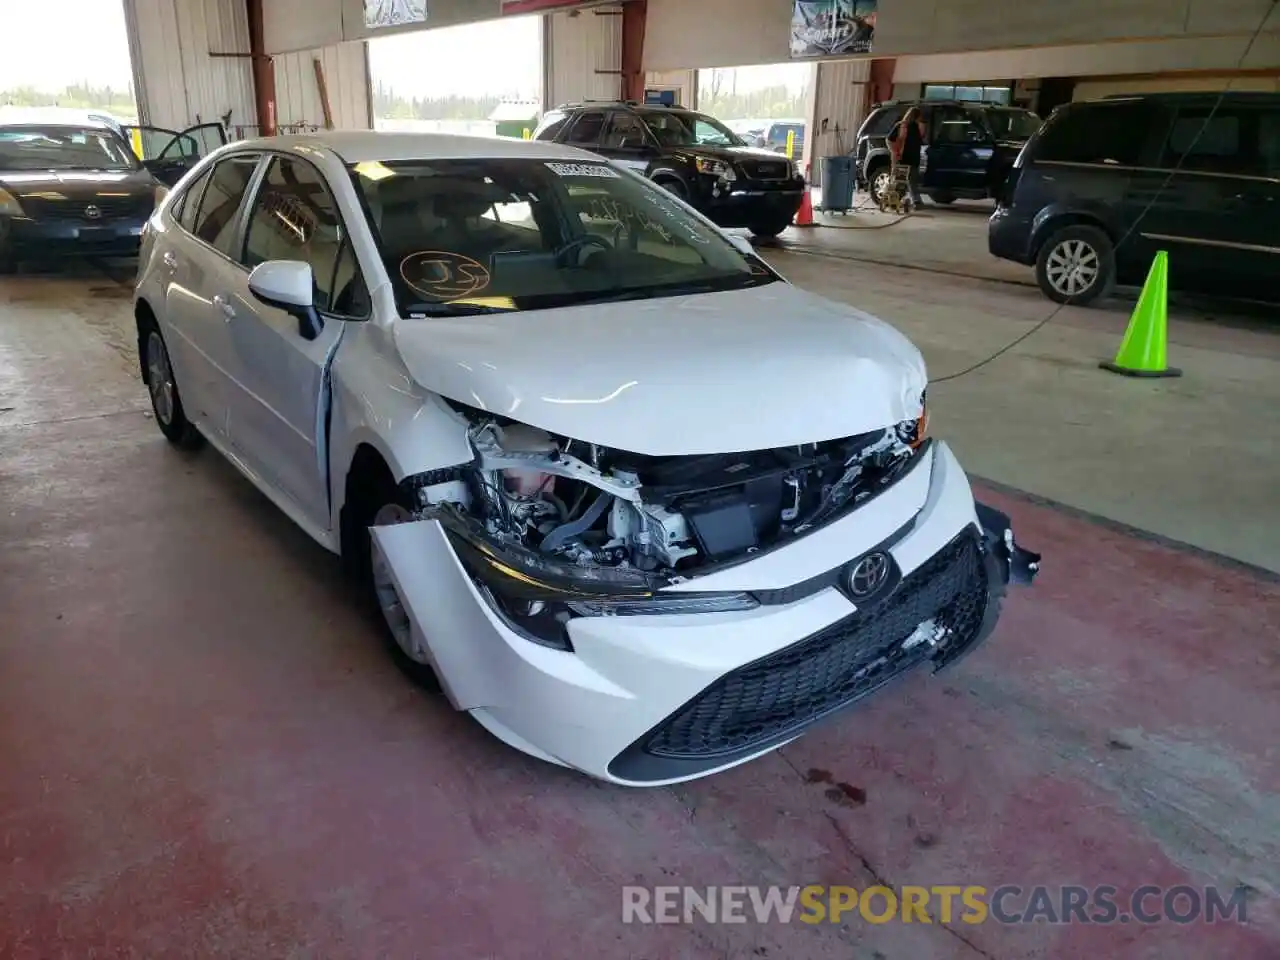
{"points": [[942, 199], [768, 229], [377, 493], [674, 186], [874, 172], [166, 404], [1065, 259]]}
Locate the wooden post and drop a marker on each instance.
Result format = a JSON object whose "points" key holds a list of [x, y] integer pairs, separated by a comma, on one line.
{"points": [[324, 94]]}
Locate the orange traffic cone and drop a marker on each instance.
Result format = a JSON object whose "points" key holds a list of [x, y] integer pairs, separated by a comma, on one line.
{"points": [[804, 216]]}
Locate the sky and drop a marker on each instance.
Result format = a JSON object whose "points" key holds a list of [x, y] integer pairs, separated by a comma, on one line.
{"points": [[53, 45]]}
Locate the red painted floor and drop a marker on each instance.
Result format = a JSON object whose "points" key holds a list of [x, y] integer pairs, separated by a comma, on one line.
{"points": [[206, 754]]}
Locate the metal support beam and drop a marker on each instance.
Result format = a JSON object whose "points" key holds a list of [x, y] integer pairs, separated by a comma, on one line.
{"points": [[881, 81], [264, 74], [634, 16]]}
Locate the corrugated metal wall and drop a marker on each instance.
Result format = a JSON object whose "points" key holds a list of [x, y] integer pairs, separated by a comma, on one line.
{"points": [[839, 105], [346, 78], [178, 83], [582, 55]]}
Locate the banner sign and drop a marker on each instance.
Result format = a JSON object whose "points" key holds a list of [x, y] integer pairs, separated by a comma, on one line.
{"points": [[832, 28], [393, 13]]}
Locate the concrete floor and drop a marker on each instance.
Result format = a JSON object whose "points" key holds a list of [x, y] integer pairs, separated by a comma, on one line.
{"points": [[206, 753]]}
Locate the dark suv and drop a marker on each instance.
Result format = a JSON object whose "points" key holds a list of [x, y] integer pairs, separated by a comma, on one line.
{"points": [[694, 156], [1106, 184], [970, 150]]}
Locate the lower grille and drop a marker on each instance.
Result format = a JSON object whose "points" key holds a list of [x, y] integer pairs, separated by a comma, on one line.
{"points": [[779, 694]]}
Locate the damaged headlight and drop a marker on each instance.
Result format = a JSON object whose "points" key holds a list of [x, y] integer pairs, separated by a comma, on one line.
{"points": [[538, 595], [914, 431]]}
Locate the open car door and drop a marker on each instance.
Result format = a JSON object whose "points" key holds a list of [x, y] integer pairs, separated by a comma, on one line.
{"points": [[168, 154]]}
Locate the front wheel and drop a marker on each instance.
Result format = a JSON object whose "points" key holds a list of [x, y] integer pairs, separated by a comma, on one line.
{"points": [[382, 504], [674, 187], [166, 401], [879, 180], [1076, 265], [768, 229]]}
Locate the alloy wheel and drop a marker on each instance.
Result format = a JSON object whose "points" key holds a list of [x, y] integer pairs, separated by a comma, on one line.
{"points": [[880, 185], [160, 378], [1072, 267], [384, 587]]}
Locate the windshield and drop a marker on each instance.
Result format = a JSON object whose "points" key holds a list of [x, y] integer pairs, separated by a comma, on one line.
{"points": [[1009, 124], [63, 148], [477, 236], [680, 128]]}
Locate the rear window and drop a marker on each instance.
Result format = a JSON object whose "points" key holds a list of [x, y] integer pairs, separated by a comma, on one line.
{"points": [[552, 123], [1110, 134]]}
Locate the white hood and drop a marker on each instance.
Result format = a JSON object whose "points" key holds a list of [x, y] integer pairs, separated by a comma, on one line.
{"points": [[770, 366]]}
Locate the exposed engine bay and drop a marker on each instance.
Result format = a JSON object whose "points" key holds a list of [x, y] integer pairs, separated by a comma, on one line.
{"points": [[589, 507]]}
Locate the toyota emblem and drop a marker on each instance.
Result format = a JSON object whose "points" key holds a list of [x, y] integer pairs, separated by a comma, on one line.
{"points": [[868, 575], [91, 212]]}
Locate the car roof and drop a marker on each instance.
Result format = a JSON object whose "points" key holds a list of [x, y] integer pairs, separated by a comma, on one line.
{"points": [[948, 103], [624, 105], [359, 146], [1191, 96]]}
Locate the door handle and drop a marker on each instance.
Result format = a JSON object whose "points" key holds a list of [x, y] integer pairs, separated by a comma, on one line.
{"points": [[223, 304], [170, 260]]}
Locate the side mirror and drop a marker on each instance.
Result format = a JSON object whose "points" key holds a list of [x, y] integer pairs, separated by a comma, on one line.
{"points": [[288, 285]]}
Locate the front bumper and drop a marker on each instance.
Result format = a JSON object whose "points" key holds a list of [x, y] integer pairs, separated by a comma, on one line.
{"points": [[37, 239], [1009, 236], [745, 203], [647, 700]]}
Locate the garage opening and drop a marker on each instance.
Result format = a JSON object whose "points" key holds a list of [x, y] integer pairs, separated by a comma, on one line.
{"points": [[91, 70], [480, 79], [766, 105]]}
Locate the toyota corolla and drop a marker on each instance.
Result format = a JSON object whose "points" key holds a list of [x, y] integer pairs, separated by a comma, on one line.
{"points": [[636, 503]]}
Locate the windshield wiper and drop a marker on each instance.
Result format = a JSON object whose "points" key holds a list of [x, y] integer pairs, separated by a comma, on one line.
{"points": [[449, 309], [689, 289]]}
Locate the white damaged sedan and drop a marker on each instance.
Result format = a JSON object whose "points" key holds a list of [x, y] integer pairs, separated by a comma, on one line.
{"points": [[641, 507]]}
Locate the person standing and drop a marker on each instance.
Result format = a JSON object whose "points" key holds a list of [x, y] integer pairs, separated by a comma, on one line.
{"points": [[906, 141]]}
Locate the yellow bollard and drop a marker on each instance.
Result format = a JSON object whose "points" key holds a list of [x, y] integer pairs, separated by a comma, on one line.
{"points": [[135, 135], [791, 144], [528, 134]]}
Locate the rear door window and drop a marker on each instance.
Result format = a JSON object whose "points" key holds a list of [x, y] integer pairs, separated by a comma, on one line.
{"points": [[956, 125], [586, 130], [188, 205], [1107, 134], [1221, 141], [625, 132], [217, 221]]}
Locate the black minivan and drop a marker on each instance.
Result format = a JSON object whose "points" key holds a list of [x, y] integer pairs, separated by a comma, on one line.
{"points": [[1106, 184]]}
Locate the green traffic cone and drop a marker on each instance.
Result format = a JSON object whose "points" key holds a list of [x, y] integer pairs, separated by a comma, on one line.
{"points": [[1143, 351]]}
